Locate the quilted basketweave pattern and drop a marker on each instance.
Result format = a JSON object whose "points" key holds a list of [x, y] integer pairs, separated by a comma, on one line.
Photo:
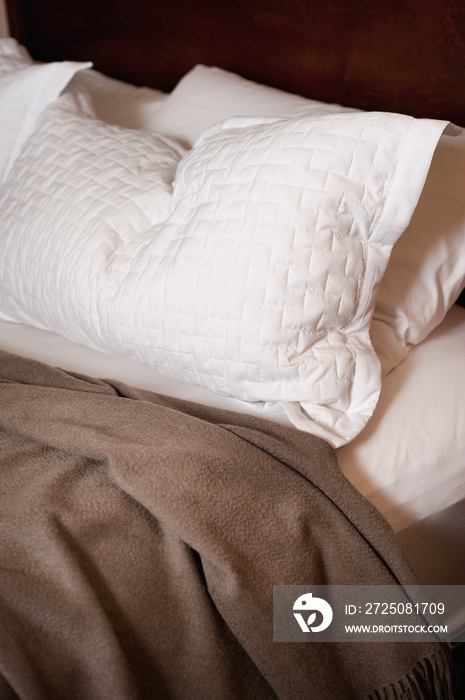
{"points": [[253, 276], [77, 195]]}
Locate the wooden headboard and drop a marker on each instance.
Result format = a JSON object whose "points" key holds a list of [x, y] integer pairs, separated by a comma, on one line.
{"points": [[393, 55]]}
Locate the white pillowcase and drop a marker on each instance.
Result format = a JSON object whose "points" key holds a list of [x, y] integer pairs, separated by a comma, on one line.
{"points": [[259, 284], [207, 95], [120, 103], [426, 272], [104, 184], [25, 90]]}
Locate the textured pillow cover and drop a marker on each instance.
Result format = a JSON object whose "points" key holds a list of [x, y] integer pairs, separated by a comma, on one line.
{"points": [[25, 90], [260, 280], [426, 271], [80, 191]]}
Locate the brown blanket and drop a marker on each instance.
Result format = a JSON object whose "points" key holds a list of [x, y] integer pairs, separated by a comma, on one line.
{"points": [[141, 536]]}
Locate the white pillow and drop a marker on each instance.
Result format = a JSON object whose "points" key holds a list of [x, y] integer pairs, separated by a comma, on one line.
{"points": [[426, 272], [207, 95], [25, 90], [120, 103], [260, 284], [104, 185]]}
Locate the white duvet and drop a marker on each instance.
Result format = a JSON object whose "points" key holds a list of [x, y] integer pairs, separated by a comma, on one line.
{"points": [[248, 266]]}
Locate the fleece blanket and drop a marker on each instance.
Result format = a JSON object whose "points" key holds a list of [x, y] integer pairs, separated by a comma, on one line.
{"points": [[140, 539]]}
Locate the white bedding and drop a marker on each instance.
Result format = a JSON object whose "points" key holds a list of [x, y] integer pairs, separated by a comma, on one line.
{"points": [[248, 265], [409, 460]]}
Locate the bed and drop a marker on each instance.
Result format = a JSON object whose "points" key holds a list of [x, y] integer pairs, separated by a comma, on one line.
{"points": [[231, 354]]}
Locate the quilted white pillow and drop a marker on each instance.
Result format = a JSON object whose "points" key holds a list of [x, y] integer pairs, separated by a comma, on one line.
{"points": [[426, 271], [79, 192], [260, 283], [25, 90]]}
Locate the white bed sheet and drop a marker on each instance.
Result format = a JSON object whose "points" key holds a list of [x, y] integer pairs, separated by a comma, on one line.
{"points": [[410, 459]]}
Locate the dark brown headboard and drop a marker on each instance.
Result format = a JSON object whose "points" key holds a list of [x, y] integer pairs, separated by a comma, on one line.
{"points": [[394, 55]]}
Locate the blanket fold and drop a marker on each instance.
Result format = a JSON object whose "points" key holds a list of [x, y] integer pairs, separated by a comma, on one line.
{"points": [[140, 539]]}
